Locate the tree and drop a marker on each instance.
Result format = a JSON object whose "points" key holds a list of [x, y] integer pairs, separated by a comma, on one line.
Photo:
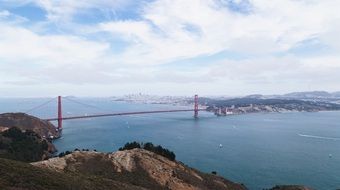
{"points": [[24, 146], [14, 133], [150, 147], [129, 146]]}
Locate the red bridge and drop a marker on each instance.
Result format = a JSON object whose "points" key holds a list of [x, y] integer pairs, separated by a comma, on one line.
{"points": [[60, 117]]}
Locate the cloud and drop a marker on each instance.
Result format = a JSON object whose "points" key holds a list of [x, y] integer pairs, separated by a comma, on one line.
{"points": [[272, 27], [25, 53], [276, 41], [65, 10], [5, 15]]}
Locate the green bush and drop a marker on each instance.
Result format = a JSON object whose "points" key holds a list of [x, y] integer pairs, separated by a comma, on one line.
{"points": [[62, 154], [14, 133], [23, 146], [129, 146], [150, 147]]}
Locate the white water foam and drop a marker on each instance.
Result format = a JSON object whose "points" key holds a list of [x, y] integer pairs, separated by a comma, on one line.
{"points": [[319, 137]]}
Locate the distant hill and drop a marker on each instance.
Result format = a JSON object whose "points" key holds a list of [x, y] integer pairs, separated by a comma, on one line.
{"points": [[336, 94], [258, 96], [322, 95], [27, 122], [275, 103], [311, 94]]}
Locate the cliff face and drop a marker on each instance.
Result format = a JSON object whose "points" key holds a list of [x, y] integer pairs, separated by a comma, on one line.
{"points": [[140, 168], [27, 122]]}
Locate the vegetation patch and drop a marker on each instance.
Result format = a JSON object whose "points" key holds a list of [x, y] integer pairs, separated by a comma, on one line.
{"points": [[24, 146], [150, 147]]}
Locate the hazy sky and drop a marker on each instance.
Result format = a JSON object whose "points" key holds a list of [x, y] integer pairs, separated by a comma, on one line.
{"points": [[168, 47]]}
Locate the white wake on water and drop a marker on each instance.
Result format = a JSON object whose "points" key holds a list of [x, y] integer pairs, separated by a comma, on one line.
{"points": [[319, 137]]}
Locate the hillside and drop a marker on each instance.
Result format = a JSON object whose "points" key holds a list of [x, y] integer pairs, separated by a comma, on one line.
{"points": [[135, 169], [28, 122], [22, 176], [24, 146], [254, 105], [138, 167]]}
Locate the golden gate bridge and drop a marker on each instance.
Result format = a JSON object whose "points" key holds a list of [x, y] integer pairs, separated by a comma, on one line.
{"points": [[60, 117]]}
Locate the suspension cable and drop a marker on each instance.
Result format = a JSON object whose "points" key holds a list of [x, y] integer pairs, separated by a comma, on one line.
{"points": [[84, 104], [39, 106]]}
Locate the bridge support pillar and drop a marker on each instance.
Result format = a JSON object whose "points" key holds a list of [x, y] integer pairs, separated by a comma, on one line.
{"points": [[60, 116], [196, 106]]}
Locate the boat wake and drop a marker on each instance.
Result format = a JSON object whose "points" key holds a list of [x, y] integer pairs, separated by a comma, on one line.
{"points": [[319, 137]]}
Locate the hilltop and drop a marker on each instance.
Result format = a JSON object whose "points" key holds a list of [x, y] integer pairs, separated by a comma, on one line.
{"points": [[26, 138], [140, 168], [24, 122]]}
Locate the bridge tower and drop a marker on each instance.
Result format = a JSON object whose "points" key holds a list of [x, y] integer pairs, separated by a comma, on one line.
{"points": [[196, 106], [60, 116]]}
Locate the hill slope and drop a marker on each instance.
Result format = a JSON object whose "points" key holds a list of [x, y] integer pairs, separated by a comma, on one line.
{"points": [[28, 122], [138, 167], [24, 146], [21, 176]]}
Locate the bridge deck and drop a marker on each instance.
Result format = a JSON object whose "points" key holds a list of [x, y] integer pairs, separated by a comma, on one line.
{"points": [[123, 113]]}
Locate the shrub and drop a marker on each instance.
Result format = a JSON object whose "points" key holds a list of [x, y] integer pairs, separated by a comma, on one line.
{"points": [[24, 146], [44, 145], [150, 147], [61, 154], [14, 133], [129, 146]]}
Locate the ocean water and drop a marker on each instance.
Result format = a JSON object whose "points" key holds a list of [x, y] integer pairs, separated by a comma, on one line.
{"points": [[258, 150]]}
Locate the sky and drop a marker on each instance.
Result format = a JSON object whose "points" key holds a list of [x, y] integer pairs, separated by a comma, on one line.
{"points": [[168, 47]]}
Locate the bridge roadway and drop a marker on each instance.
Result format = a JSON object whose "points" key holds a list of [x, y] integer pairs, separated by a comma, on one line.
{"points": [[123, 113]]}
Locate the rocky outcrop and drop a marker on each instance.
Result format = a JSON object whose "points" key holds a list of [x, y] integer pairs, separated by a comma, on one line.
{"points": [[27, 122], [138, 167]]}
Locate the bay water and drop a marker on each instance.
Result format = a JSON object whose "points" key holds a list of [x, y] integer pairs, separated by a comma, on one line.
{"points": [[259, 150]]}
